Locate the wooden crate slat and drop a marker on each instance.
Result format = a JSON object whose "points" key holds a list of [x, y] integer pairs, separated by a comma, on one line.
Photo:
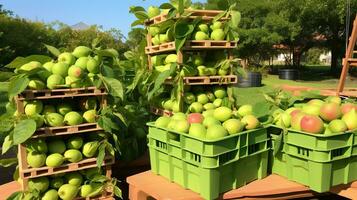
{"points": [[69, 167], [207, 80], [206, 15], [62, 93], [160, 112], [66, 130], [191, 45]]}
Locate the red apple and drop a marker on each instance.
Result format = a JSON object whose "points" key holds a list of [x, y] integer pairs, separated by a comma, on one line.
{"points": [[195, 118]]}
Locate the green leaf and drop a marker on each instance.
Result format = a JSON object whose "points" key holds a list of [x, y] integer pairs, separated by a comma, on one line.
{"points": [[107, 124], [7, 144], [24, 130], [5, 76], [40, 58], [181, 6], [117, 192], [236, 17], [179, 43], [17, 62], [278, 144], [114, 86], [17, 85], [107, 71], [133, 9], [101, 155], [219, 16], [166, 6], [53, 50], [141, 15], [160, 80], [137, 22], [223, 4], [261, 109], [15, 196], [7, 162], [183, 29]]}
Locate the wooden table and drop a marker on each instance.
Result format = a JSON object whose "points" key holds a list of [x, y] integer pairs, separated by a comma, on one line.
{"points": [[147, 185]]}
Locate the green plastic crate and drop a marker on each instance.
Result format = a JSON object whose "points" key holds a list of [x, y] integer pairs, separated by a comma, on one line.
{"points": [[209, 183], [277, 162], [206, 161], [320, 177], [205, 147], [304, 169]]}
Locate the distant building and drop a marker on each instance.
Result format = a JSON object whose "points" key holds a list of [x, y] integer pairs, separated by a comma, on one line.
{"points": [[325, 57]]}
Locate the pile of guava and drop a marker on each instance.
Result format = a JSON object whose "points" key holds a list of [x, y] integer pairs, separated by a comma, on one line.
{"points": [[67, 186], [70, 70], [327, 116], [64, 113], [54, 151], [210, 123], [196, 64]]}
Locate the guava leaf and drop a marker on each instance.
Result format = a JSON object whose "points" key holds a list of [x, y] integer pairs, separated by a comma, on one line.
{"points": [[17, 85], [53, 50], [183, 29], [15, 196], [96, 42], [5, 76], [236, 17], [117, 192], [107, 124], [7, 144], [278, 144], [160, 80], [141, 15], [261, 109], [179, 43], [7, 162], [114, 86], [17, 62], [166, 6], [24, 130], [137, 22], [133, 9], [101, 155]]}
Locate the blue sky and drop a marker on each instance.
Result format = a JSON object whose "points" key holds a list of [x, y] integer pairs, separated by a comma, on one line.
{"points": [[108, 13]]}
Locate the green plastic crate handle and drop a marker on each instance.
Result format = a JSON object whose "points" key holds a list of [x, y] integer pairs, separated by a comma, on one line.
{"points": [[278, 145]]}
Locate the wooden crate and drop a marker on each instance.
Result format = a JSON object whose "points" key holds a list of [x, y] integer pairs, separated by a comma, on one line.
{"points": [[207, 80], [205, 15], [66, 130], [27, 172], [106, 194], [191, 45], [160, 112], [61, 93]]}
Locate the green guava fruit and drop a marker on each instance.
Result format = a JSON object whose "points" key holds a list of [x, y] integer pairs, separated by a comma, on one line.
{"points": [[60, 68], [54, 119], [50, 195], [54, 160], [74, 142], [66, 57], [81, 51], [73, 155], [68, 191], [92, 66], [222, 113], [73, 118], [153, 11], [215, 132], [74, 178], [89, 116], [75, 72], [36, 84], [35, 159], [82, 62], [90, 149], [64, 108], [54, 81], [34, 107]]}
